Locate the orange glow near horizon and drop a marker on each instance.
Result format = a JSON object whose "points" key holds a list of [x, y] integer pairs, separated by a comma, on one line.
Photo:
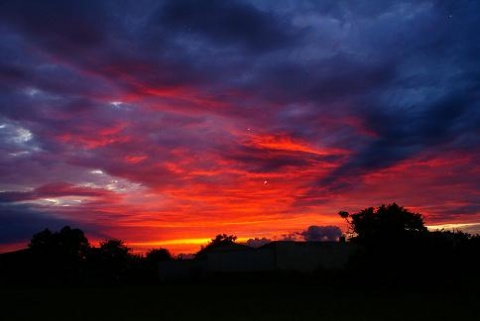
{"points": [[195, 198]]}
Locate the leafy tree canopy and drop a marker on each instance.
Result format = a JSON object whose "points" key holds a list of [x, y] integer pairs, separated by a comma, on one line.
{"points": [[67, 242], [158, 255], [387, 222], [114, 249], [219, 241]]}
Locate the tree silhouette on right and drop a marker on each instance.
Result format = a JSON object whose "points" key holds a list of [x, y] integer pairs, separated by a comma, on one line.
{"points": [[394, 244], [387, 223]]}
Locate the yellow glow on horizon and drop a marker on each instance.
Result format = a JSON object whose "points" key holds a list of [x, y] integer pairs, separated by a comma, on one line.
{"points": [[192, 241], [176, 246], [450, 226]]}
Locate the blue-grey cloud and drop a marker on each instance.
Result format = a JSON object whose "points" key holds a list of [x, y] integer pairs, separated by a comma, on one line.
{"points": [[18, 223], [226, 23], [316, 233]]}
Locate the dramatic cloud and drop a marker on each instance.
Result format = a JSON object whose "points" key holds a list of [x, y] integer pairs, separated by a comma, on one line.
{"points": [[226, 23], [322, 233], [257, 242], [168, 122], [313, 233]]}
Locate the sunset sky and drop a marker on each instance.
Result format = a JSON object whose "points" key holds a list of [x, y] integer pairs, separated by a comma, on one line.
{"points": [[164, 123]]}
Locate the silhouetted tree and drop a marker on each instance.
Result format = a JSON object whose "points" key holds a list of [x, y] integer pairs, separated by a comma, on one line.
{"points": [[219, 241], [386, 223], [453, 257], [59, 256], [111, 261], [68, 242], [398, 250], [150, 264], [394, 245], [158, 255], [114, 250], [41, 241]]}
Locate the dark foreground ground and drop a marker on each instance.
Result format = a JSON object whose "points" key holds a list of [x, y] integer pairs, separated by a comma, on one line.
{"points": [[234, 302]]}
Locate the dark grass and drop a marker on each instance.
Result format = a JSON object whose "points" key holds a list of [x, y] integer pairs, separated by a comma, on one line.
{"points": [[203, 301]]}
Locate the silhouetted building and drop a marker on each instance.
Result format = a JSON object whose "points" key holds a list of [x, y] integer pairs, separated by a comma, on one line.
{"points": [[304, 257], [281, 256]]}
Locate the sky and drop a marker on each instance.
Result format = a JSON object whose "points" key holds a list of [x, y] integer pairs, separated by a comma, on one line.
{"points": [[165, 123]]}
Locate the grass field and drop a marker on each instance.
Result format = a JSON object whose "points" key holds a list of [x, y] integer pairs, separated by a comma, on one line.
{"points": [[251, 302]]}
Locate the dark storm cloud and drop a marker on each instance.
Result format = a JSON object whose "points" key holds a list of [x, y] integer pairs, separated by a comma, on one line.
{"points": [[19, 222], [428, 103], [358, 78], [226, 23], [399, 136], [472, 208], [333, 79], [9, 73], [57, 24], [264, 160]]}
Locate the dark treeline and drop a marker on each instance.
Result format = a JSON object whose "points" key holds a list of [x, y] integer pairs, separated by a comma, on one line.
{"points": [[395, 250], [66, 258]]}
